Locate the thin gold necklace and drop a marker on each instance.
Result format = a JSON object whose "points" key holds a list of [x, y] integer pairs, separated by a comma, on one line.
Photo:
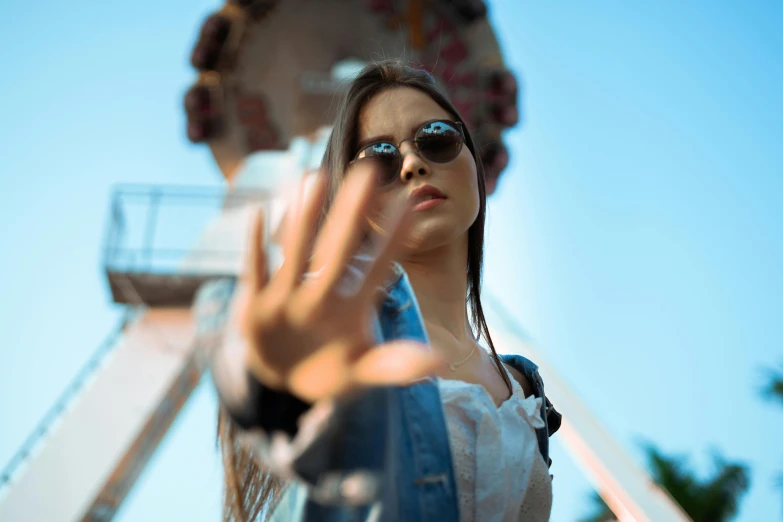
{"points": [[456, 365]]}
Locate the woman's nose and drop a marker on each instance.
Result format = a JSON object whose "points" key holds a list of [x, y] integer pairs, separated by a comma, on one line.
{"points": [[412, 163]]}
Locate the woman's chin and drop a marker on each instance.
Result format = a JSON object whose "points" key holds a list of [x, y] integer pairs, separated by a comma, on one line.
{"points": [[431, 236]]}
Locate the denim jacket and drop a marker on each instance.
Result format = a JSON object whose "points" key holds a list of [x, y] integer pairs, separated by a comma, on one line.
{"points": [[382, 455]]}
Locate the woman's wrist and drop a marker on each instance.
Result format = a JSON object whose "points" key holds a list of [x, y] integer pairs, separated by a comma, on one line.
{"points": [[268, 409]]}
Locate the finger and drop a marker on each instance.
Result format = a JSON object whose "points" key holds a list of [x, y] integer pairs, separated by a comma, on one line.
{"points": [[255, 265], [343, 227], [300, 229], [396, 363], [395, 229]]}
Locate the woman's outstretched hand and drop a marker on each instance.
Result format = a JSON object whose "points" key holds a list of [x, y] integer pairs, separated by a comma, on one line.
{"points": [[309, 334]]}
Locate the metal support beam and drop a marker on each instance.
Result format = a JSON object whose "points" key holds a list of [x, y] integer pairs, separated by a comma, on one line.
{"points": [[624, 485], [109, 432]]}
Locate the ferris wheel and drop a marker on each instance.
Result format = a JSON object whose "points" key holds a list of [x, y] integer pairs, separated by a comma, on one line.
{"points": [[266, 69], [268, 72]]}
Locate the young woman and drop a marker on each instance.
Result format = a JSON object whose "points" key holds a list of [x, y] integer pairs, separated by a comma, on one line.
{"points": [[354, 386]]}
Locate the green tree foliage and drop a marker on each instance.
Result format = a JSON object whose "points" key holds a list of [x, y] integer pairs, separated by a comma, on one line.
{"points": [[773, 391], [715, 499]]}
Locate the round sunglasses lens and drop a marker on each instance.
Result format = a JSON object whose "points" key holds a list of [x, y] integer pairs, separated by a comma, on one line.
{"points": [[385, 159], [439, 141]]}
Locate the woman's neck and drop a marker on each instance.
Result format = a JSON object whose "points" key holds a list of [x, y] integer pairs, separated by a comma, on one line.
{"points": [[439, 279]]}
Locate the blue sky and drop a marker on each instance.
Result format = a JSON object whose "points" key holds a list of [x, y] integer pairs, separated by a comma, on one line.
{"points": [[636, 233]]}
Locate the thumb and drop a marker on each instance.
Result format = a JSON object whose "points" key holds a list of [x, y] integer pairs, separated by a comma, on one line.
{"points": [[395, 363]]}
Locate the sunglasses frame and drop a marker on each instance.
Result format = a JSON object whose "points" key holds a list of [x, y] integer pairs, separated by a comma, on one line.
{"points": [[415, 140]]}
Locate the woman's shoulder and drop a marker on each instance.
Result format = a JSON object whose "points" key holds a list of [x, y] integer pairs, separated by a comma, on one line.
{"points": [[525, 372], [519, 365], [524, 381]]}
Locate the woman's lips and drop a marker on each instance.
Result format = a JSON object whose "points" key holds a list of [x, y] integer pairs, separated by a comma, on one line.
{"points": [[428, 204]]}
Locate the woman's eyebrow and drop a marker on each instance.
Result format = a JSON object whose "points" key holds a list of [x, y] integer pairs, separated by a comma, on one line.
{"points": [[386, 137]]}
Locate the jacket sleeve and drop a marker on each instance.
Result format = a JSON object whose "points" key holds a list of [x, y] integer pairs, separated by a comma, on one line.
{"points": [[553, 417]]}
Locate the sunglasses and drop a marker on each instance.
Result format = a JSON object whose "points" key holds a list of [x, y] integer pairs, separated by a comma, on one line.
{"points": [[438, 141]]}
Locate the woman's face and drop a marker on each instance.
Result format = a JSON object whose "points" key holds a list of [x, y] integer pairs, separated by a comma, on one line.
{"points": [[396, 114]]}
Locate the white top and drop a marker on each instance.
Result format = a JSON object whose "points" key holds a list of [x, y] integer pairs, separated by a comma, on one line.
{"points": [[498, 468]]}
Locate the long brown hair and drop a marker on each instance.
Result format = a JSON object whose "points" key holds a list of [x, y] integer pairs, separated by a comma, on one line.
{"points": [[248, 487]]}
